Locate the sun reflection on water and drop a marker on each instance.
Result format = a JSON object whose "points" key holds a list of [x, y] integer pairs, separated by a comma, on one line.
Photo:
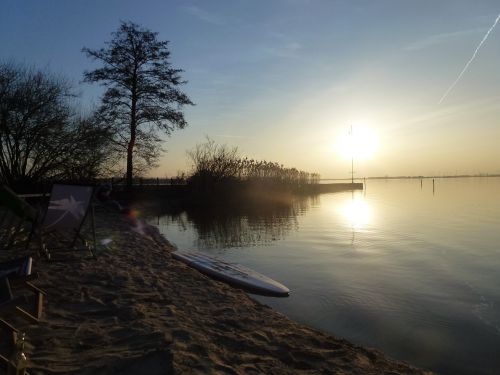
{"points": [[356, 212]]}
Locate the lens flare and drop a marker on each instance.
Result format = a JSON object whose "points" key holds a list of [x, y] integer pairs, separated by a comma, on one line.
{"points": [[133, 214]]}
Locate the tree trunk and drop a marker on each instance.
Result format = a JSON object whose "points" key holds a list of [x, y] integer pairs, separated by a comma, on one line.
{"points": [[133, 128], [130, 148]]}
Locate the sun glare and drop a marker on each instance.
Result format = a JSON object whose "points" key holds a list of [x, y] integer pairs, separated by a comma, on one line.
{"points": [[356, 212], [358, 142]]}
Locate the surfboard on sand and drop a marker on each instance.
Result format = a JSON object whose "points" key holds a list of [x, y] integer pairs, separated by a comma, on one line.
{"points": [[232, 273]]}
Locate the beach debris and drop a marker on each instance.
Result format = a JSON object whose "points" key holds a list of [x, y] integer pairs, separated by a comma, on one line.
{"points": [[106, 241]]}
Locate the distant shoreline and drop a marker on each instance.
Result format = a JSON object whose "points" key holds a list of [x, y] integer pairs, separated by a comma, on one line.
{"points": [[410, 177]]}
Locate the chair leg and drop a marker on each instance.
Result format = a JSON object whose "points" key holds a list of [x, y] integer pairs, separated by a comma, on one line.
{"points": [[39, 294], [39, 305]]}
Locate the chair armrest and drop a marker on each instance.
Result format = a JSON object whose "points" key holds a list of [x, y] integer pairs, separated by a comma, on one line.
{"points": [[34, 288], [13, 332], [7, 326]]}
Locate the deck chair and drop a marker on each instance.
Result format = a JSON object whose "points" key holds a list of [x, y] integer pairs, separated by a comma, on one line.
{"points": [[18, 274], [10, 333], [9, 308], [17, 219], [69, 206]]}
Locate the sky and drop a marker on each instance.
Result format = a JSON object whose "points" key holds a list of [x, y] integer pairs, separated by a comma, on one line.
{"points": [[284, 80]]}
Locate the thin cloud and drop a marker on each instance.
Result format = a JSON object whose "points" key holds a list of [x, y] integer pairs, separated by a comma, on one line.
{"points": [[443, 38], [204, 15]]}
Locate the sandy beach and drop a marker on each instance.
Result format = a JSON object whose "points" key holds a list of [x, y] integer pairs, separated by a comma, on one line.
{"points": [[135, 310]]}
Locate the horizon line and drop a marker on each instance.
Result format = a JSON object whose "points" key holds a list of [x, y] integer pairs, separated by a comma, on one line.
{"points": [[413, 177]]}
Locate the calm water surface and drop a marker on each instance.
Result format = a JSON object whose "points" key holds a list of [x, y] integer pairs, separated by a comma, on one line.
{"points": [[394, 267]]}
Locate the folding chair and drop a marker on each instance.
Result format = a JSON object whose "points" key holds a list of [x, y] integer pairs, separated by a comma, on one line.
{"points": [[11, 333], [9, 308], [17, 273], [69, 206]]}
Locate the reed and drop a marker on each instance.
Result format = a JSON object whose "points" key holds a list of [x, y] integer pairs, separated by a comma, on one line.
{"points": [[216, 166]]}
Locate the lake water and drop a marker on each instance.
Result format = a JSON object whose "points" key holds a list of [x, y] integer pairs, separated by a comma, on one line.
{"points": [[397, 267]]}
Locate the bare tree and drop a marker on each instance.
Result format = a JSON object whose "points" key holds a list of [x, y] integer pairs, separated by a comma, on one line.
{"points": [[93, 154], [40, 137], [213, 163], [142, 95]]}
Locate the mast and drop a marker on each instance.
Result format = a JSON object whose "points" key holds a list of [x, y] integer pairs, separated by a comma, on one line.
{"points": [[352, 156]]}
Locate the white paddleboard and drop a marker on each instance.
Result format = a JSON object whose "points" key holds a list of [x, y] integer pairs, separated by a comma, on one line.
{"points": [[233, 274]]}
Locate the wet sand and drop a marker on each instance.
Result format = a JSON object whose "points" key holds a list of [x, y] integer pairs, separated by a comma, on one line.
{"points": [[135, 310]]}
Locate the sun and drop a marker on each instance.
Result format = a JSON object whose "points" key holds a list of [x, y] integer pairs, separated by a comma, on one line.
{"points": [[359, 142]]}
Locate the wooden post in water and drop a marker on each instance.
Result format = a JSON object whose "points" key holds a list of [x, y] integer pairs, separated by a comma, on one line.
{"points": [[420, 183], [432, 186]]}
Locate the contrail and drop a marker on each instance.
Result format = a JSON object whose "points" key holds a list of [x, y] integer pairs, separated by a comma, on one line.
{"points": [[471, 59]]}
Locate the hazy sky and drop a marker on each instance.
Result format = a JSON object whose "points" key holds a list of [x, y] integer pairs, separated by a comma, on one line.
{"points": [[283, 79]]}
